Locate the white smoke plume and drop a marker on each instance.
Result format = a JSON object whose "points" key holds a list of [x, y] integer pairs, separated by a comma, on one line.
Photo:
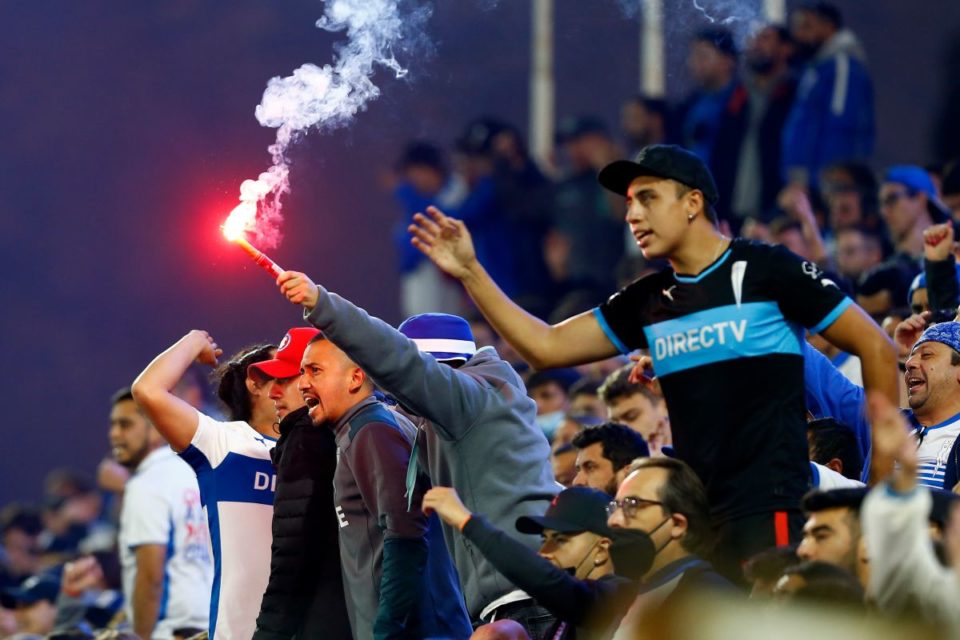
{"points": [[325, 97]]}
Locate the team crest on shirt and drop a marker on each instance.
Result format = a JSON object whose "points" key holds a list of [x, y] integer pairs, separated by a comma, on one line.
{"points": [[811, 270]]}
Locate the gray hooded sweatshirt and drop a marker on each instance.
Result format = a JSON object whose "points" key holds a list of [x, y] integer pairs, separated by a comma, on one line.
{"points": [[476, 432]]}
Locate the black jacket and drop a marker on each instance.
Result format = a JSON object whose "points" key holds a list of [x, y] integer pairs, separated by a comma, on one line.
{"points": [[304, 597], [593, 607]]}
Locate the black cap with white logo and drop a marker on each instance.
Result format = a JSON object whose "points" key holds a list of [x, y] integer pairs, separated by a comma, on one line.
{"points": [[662, 161]]}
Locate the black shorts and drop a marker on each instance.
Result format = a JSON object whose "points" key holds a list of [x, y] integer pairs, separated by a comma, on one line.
{"points": [[740, 539]]}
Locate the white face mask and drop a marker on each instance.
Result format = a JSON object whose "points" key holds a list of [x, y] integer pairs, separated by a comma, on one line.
{"points": [[549, 423]]}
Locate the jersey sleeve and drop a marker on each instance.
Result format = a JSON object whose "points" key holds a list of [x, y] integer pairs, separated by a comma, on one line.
{"points": [[621, 317], [210, 444], [804, 293], [146, 516]]}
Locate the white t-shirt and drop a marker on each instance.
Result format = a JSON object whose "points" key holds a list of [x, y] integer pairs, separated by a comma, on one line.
{"points": [[161, 505], [237, 483], [933, 451], [825, 479]]}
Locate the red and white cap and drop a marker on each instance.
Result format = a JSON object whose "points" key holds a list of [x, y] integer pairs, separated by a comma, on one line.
{"points": [[286, 364]]}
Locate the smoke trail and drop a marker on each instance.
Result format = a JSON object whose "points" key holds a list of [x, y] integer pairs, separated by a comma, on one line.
{"points": [[736, 12], [325, 97]]}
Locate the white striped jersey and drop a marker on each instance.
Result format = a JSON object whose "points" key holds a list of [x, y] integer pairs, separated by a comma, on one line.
{"points": [[933, 450], [237, 483]]}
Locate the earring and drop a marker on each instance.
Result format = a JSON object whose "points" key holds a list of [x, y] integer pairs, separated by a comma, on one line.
{"points": [[690, 217]]}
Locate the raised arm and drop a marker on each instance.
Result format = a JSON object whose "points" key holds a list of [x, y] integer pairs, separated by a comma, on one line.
{"points": [[568, 598], [153, 389], [905, 574], [578, 340]]}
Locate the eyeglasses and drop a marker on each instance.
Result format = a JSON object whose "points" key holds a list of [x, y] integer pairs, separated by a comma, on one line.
{"points": [[630, 505]]}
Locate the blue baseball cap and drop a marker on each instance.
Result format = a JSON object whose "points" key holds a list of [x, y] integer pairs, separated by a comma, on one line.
{"points": [[446, 337], [947, 333], [916, 179]]}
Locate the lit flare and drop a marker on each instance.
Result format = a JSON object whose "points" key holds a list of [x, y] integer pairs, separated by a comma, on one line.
{"points": [[240, 220]]}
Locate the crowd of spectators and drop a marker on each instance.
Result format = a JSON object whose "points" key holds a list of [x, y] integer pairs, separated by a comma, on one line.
{"points": [[481, 485]]}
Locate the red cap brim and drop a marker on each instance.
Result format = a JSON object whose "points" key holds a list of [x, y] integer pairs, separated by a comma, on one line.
{"points": [[279, 369]]}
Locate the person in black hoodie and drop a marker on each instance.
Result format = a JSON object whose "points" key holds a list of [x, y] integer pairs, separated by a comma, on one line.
{"points": [[572, 576], [304, 596]]}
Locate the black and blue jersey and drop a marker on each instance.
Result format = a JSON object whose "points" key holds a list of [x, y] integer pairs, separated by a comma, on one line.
{"points": [[727, 346]]}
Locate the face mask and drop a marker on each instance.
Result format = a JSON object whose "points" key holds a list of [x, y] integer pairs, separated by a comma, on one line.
{"points": [[632, 553], [549, 423], [637, 551]]}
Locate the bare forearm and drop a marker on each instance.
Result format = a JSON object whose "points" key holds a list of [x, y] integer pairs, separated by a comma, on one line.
{"points": [[879, 365], [147, 593], [153, 390], [166, 369], [811, 233], [527, 334]]}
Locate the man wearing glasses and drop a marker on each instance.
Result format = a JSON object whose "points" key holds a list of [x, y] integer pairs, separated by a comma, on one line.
{"points": [[664, 499]]}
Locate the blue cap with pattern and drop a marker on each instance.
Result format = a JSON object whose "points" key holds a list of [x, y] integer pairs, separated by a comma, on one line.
{"points": [[947, 333]]}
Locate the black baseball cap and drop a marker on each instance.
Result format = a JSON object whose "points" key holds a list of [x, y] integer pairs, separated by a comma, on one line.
{"points": [[663, 161], [574, 510], [43, 586]]}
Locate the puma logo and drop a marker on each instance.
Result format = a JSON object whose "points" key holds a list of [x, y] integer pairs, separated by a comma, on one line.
{"points": [[667, 293]]}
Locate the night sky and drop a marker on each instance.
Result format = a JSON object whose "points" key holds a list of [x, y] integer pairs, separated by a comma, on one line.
{"points": [[127, 128]]}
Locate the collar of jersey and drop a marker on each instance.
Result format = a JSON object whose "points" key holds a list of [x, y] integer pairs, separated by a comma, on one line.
{"points": [[703, 274], [154, 457], [946, 422]]}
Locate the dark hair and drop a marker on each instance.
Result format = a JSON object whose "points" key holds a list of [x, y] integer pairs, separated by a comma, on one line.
{"points": [[121, 394], [871, 235], [782, 224], [658, 106], [422, 153], [769, 564], [783, 33], [232, 380], [824, 11], [830, 439], [564, 378], [683, 493], [621, 444], [708, 209], [21, 517], [849, 498], [826, 584], [618, 385], [564, 448], [950, 183], [720, 39], [584, 386]]}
